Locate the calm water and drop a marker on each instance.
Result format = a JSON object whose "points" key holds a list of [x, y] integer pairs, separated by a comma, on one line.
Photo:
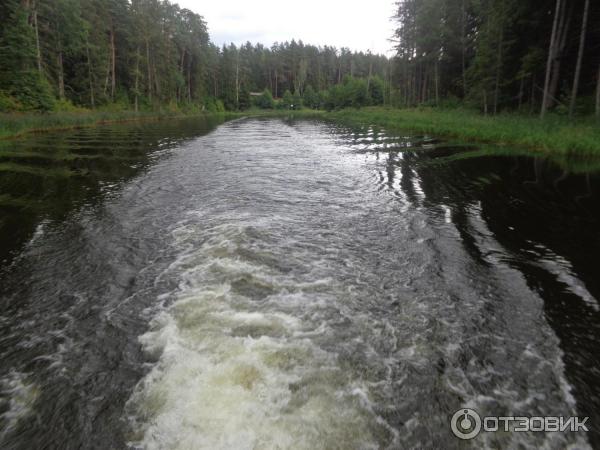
{"points": [[269, 284]]}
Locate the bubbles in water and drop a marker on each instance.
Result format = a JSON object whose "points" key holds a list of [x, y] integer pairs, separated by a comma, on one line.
{"points": [[234, 373]]}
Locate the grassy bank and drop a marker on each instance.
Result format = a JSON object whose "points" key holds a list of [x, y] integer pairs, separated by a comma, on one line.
{"points": [[16, 124], [556, 134]]}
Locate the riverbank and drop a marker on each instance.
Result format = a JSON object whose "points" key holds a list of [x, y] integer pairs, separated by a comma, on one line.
{"points": [[16, 124], [556, 134]]}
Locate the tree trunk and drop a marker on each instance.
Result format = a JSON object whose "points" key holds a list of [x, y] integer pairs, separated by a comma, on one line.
{"points": [[237, 80], [561, 41], [579, 58], [464, 50], [90, 77], [156, 82], [149, 70], [416, 87], [369, 78], [181, 69], [485, 103], [598, 95], [498, 71], [521, 92], [532, 97], [215, 83], [189, 77], [551, 53], [113, 81], [61, 76], [137, 78], [408, 79], [107, 77], [390, 82], [437, 83], [424, 87], [37, 39]]}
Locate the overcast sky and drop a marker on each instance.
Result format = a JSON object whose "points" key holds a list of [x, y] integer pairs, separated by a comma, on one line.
{"points": [[342, 23]]}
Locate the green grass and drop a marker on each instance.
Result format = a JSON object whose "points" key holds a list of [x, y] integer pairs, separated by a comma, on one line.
{"points": [[556, 134], [17, 124], [281, 113]]}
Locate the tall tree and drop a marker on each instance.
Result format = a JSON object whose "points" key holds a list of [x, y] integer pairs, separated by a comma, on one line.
{"points": [[579, 58]]}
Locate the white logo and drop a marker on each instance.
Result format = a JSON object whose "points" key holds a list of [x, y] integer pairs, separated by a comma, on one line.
{"points": [[466, 424]]}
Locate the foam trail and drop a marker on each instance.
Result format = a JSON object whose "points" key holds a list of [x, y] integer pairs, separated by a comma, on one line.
{"points": [[233, 375]]}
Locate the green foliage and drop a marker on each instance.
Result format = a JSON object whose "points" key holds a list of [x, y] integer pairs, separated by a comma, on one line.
{"points": [[17, 50], [491, 54], [148, 55], [353, 92], [287, 101], [376, 90], [244, 99], [8, 103], [32, 92], [214, 105], [555, 135], [24, 87], [265, 100], [67, 106], [296, 100], [311, 98], [17, 124]]}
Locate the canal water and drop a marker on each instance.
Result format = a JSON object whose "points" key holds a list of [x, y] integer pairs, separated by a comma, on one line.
{"points": [[273, 283]]}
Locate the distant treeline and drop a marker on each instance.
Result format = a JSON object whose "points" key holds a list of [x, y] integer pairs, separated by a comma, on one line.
{"points": [[527, 55], [145, 54], [496, 55]]}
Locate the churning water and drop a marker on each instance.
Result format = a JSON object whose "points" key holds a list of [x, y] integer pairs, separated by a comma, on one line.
{"points": [[279, 284]]}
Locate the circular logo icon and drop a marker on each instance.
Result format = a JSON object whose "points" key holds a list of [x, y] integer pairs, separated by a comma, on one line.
{"points": [[466, 424]]}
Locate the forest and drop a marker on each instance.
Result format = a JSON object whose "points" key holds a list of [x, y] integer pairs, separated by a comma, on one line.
{"points": [[521, 55], [143, 55]]}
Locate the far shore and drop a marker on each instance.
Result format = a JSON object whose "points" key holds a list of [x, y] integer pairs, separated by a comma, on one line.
{"points": [[554, 135]]}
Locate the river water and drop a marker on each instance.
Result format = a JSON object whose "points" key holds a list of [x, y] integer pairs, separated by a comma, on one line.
{"points": [[272, 283]]}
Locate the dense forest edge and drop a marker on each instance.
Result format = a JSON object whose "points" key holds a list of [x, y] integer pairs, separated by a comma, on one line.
{"points": [[514, 72]]}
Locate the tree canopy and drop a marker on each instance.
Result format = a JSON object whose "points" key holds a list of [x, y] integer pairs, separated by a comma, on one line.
{"points": [[494, 53], [145, 54]]}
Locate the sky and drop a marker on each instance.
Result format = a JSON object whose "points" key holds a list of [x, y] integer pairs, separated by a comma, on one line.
{"points": [[355, 24]]}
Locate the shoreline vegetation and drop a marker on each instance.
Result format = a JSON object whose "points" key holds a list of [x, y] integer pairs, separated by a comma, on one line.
{"points": [[19, 125], [13, 126], [518, 73], [554, 135]]}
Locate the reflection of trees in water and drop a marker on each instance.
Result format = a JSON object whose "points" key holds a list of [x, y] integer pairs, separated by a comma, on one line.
{"points": [[47, 176], [538, 212]]}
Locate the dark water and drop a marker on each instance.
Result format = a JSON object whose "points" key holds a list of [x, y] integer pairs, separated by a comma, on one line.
{"points": [[278, 284]]}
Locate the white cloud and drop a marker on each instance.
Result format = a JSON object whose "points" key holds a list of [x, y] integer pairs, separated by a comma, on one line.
{"points": [[342, 23]]}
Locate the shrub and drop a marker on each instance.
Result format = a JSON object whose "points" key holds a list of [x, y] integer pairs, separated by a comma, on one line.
{"points": [[32, 92], [311, 98], [287, 101], [265, 100], [296, 101], [8, 103]]}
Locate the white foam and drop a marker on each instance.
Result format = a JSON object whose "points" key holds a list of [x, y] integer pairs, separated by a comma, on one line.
{"points": [[211, 389], [231, 374], [19, 396]]}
